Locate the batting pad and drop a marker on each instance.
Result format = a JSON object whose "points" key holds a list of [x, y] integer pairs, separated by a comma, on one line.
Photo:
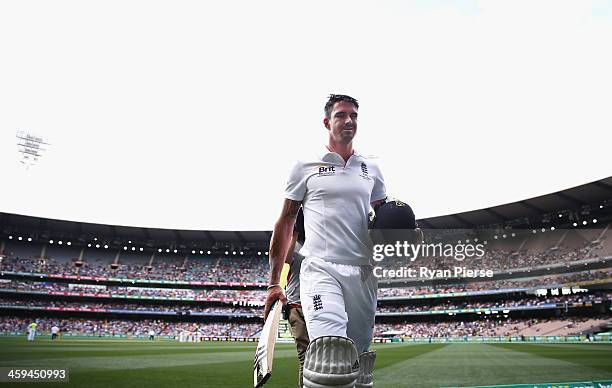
{"points": [[331, 361], [366, 370]]}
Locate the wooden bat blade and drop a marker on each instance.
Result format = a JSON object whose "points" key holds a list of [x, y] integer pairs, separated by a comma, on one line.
{"points": [[264, 355], [262, 365]]}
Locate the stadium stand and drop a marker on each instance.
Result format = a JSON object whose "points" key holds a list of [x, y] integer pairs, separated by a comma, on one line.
{"points": [[550, 260], [114, 327]]}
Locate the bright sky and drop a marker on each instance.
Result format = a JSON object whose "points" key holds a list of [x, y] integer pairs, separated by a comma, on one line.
{"points": [[189, 114]]}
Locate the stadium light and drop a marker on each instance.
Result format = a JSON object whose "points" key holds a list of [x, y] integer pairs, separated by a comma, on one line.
{"points": [[575, 224], [208, 252], [130, 241], [543, 230], [97, 245], [19, 238], [95, 239], [601, 206], [266, 253], [68, 243], [30, 239], [513, 234], [584, 222], [594, 220], [105, 246], [201, 252], [133, 248], [141, 249], [242, 253], [193, 252], [175, 251], [125, 248], [167, 250], [159, 250], [534, 231], [10, 237], [226, 252], [234, 253], [88, 245], [552, 228], [504, 236], [60, 242], [495, 237], [560, 215], [258, 253]]}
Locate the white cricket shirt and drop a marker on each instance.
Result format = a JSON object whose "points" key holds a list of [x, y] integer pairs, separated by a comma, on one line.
{"points": [[336, 200]]}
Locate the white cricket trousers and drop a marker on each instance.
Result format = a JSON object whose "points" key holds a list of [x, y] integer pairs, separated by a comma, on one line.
{"points": [[338, 299], [31, 334]]}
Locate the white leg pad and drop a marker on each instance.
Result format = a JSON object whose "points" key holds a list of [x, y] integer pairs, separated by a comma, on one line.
{"points": [[366, 370], [331, 361]]}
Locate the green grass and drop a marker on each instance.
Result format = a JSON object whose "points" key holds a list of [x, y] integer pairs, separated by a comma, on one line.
{"points": [[143, 364]]}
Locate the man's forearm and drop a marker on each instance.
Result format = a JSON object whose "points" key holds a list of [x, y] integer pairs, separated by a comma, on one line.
{"points": [[278, 247], [281, 237]]}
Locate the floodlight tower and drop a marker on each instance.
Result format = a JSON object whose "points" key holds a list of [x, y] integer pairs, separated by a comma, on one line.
{"points": [[31, 148]]}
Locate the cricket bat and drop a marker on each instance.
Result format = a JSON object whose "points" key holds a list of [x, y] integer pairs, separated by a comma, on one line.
{"points": [[264, 355]]}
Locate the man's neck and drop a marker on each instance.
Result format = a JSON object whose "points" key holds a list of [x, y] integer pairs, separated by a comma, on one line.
{"points": [[344, 150]]}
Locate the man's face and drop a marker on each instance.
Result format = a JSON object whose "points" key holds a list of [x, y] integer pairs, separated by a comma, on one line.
{"points": [[342, 124]]}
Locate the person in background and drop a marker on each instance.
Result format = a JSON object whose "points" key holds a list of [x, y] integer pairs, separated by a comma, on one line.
{"points": [[54, 332], [32, 330]]}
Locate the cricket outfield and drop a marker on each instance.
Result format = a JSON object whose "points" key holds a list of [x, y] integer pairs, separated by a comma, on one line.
{"points": [[141, 364]]}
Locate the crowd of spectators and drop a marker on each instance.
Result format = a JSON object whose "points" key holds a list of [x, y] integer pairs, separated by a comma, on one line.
{"points": [[255, 269], [489, 327], [541, 281], [248, 270], [501, 260], [526, 302], [432, 305], [179, 309], [105, 327], [114, 327], [250, 296], [257, 297], [482, 327]]}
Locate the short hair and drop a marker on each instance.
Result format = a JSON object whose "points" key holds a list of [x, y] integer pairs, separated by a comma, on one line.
{"points": [[334, 98]]}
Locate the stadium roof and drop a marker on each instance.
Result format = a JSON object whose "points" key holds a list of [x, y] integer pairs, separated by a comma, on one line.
{"points": [[593, 193], [590, 194]]}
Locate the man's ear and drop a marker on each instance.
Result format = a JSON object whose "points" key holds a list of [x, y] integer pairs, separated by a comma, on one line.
{"points": [[326, 123]]}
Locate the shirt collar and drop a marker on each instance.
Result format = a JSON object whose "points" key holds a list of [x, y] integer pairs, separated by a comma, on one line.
{"points": [[333, 157]]}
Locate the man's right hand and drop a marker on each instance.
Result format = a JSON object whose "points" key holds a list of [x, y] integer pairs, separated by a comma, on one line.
{"points": [[274, 294]]}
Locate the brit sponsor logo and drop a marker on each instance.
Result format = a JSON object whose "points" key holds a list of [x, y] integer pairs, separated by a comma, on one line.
{"points": [[327, 170]]}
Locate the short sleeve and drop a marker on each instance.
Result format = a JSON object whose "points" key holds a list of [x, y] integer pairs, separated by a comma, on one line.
{"points": [[379, 191], [296, 185]]}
